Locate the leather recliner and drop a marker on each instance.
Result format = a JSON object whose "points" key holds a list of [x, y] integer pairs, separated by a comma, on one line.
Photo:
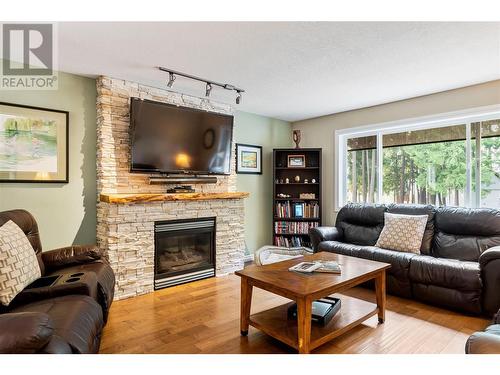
{"points": [[61, 319], [459, 262], [487, 341]]}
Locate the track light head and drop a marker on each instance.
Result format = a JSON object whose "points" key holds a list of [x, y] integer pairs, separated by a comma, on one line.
{"points": [[208, 89], [238, 97], [171, 79]]}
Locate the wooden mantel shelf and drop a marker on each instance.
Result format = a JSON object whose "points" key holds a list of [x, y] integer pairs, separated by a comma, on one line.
{"points": [[141, 198]]}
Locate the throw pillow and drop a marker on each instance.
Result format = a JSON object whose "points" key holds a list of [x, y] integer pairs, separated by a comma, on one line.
{"points": [[18, 264], [402, 232]]}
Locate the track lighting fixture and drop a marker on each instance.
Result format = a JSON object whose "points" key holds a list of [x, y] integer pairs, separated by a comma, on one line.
{"points": [[208, 89], [209, 83], [171, 79]]}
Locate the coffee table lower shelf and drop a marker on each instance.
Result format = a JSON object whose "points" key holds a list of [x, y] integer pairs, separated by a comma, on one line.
{"points": [[275, 322]]}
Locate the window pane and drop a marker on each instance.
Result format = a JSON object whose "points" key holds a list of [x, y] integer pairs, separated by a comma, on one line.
{"points": [[485, 164], [425, 166], [362, 169]]}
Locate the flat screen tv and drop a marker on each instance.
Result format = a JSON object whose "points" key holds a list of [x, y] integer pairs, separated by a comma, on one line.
{"points": [[171, 139]]}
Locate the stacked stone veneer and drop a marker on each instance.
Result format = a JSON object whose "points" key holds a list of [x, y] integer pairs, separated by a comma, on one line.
{"points": [[126, 231]]}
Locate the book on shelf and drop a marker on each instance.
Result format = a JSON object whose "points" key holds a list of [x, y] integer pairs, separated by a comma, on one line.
{"points": [[293, 227], [294, 241], [303, 210]]}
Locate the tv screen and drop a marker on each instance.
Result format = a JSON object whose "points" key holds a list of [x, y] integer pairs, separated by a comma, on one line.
{"points": [[171, 139]]}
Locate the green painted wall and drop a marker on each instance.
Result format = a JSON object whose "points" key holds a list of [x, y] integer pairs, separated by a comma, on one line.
{"points": [[66, 213], [268, 133]]}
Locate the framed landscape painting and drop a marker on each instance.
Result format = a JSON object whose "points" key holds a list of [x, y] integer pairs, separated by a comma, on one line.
{"points": [[248, 159], [33, 144]]}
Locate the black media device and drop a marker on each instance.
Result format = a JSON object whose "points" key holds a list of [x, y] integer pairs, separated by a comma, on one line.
{"points": [[172, 139], [323, 310]]}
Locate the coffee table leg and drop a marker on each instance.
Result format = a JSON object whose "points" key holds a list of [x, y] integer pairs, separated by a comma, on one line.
{"points": [[381, 296], [246, 302], [304, 307]]}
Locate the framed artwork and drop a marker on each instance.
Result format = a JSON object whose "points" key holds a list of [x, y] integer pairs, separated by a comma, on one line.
{"points": [[299, 210], [248, 159], [296, 161], [33, 144]]}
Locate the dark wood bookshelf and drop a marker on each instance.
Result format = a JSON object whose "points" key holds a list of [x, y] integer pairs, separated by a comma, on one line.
{"points": [[281, 171]]}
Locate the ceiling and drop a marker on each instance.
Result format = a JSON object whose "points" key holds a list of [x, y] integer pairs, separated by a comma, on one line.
{"points": [[290, 70]]}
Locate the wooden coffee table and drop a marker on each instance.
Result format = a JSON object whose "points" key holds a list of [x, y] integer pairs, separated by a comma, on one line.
{"points": [[304, 289]]}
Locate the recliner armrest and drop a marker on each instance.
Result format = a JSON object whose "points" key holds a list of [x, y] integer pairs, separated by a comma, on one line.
{"points": [[72, 255], [489, 255], [24, 332], [320, 234], [487, 342]]}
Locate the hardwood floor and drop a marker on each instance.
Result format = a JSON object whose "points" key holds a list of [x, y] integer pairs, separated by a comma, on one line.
{"points": [[203, 317]]}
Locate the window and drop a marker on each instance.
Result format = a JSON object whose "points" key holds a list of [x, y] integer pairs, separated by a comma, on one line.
{"points": [[362, 169], [447, 160]]}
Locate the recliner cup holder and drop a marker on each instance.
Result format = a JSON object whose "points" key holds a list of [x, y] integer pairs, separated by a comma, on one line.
{"points": [[76, 274], [72, 280]]}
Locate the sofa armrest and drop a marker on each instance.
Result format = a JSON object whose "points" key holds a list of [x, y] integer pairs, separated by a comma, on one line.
{"points": [[484, 343], [487, 256], [320, 234], [489, 264], [24, 332], [71, 255]]}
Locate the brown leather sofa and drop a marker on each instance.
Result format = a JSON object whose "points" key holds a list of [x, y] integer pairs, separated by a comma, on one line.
{"points": [[459, 262], [487, 341], [65, 317]]}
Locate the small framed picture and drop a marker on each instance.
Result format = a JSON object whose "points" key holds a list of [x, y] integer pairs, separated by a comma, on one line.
{"points": [[33, 144], [248, 159], [296, 161]]}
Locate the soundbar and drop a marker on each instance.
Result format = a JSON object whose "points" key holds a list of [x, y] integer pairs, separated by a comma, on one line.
{"points": [[182, 180]]}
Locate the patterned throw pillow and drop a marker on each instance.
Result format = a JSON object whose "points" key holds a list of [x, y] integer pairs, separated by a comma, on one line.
{"points": [[18, 264], [402, 232]]}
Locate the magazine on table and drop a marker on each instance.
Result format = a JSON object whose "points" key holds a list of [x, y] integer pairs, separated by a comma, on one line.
{"points": [[317, 266]]}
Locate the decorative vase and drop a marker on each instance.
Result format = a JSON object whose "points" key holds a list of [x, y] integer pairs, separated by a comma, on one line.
{"points": [[296, 138]]}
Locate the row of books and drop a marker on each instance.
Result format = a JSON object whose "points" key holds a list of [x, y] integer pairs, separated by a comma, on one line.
{"points": [[291, 241], [293, 227], [297, 210]]}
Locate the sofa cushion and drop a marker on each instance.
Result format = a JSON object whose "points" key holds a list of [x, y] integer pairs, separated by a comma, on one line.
{"points": [[418, 209], [361, 224], [77, 320], [449, 273], [464, 233], [402, 232], [18, 262]]}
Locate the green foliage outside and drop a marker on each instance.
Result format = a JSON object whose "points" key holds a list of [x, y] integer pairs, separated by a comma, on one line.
{"points": [[425, 173]]}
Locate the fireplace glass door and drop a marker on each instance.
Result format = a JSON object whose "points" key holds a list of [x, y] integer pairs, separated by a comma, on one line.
{"points": [[184, 247]]}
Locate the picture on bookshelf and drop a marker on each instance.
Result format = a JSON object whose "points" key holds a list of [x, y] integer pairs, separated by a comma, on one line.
{"points": [[296, 161], [299, 210]]}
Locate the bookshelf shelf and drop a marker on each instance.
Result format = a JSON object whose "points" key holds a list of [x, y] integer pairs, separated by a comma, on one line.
{"points": [[295, 228]]}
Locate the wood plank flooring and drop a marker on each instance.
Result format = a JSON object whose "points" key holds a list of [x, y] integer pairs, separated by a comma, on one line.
{"points": [[203, 317]]}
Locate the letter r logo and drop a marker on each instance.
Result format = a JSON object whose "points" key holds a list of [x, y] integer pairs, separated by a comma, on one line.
{"points": [[27, 49]]}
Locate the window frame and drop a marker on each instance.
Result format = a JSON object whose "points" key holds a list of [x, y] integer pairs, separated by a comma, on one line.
{"points": [[464, 117]]}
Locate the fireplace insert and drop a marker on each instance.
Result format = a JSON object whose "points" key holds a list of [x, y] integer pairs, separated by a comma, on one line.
{"points": [[184, 251]]}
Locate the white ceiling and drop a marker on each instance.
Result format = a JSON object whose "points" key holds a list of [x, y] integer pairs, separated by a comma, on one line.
{"points": [[290, 70]]}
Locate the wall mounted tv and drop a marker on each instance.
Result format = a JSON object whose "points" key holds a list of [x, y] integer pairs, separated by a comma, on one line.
{"points": [[171, 139]]}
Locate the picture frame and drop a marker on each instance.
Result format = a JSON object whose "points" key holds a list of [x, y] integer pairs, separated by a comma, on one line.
{"points": [[34, 144], [298, 211], [248, 159], [296, 161]]}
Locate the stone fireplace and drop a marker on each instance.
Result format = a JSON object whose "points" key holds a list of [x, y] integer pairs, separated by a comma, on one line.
{"points": [[129, 208]]}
